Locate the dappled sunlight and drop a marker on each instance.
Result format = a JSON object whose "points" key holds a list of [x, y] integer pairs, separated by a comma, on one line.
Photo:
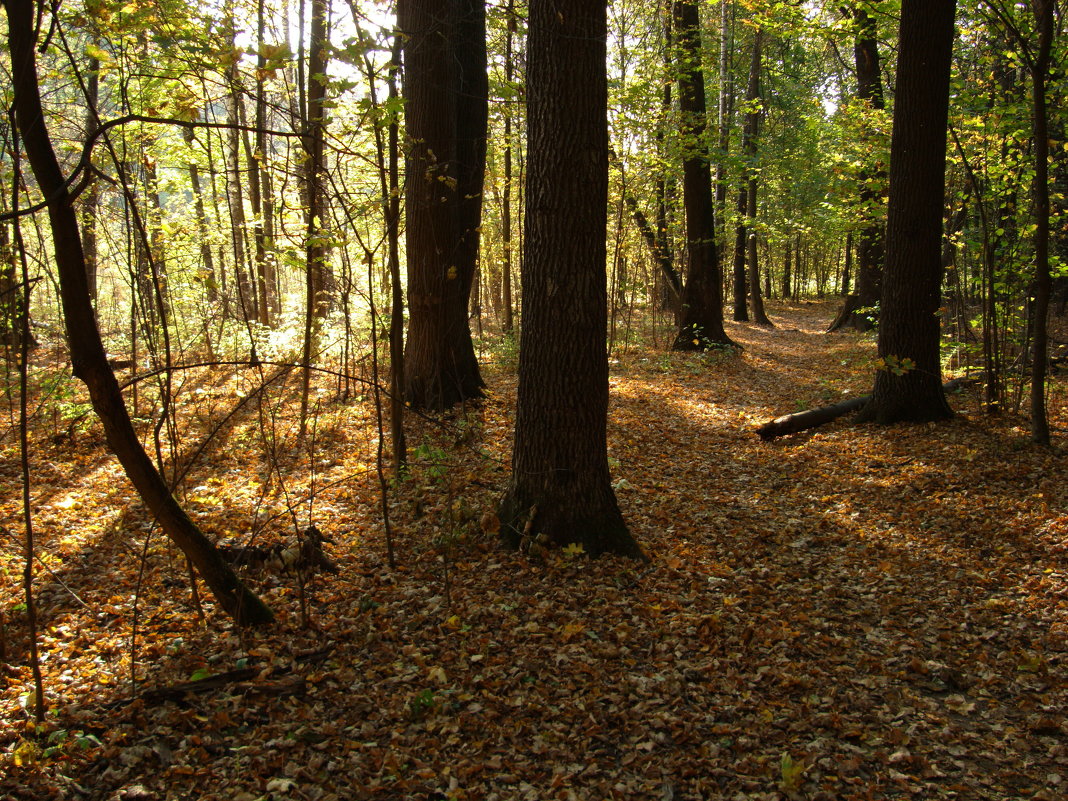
{"points": [[855, 584]]}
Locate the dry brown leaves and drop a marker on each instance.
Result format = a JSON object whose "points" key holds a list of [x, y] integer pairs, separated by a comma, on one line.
{"points": [[851, 613]]}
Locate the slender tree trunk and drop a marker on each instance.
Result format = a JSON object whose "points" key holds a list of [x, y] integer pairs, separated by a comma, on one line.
{"points": [[86, 347], [560, 492], [760, 315], [396, 307], [91, 196], [857, 309], [741, 290], [506, 210], [909, 385], [246, 295], [702, 304], [725, 108], [847, 268], [316, 297], [257, 164], [749, 145], [787, 258], [320, 277], [207, 260], [1039, 68]]}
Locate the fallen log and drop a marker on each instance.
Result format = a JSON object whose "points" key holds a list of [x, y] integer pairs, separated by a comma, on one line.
{"points": [[811, 418]]}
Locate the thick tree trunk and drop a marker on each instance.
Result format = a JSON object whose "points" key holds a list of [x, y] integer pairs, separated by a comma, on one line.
{"points": [[87, 350], [445, 86], [702, 304], [909, 386], [560, 492]]}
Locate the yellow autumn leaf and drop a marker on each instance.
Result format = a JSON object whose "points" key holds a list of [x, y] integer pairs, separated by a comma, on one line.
{"points": [[570, 630]]}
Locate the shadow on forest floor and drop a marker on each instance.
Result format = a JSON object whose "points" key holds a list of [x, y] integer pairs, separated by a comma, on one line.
{"points": [[854, 612]]}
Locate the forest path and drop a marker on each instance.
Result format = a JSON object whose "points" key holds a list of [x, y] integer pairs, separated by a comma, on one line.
{"points": [[850, 612]]}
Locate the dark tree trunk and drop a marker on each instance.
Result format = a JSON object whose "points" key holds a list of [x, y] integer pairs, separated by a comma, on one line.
{"points": [[749, 146], [857, 309], [10, 296], [786, 269], [760, 315], [1040, 68], [506, 207], [87, 350], [812, 418], [725, 108], [656, 240], [909, 386], [847, 268], [259, 182], [91, 196], [445, 87], [702, 303], [560, 492], [739, 284]]}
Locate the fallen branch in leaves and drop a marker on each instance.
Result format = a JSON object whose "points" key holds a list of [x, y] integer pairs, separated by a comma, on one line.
{"points": [[811, 418], [250, 678]]}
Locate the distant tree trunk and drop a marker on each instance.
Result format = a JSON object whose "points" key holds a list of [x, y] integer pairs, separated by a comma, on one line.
{"points": [[506, 210], [259, 182], [246, 293], [702, 304], [1039, 67], [446, 108], [847, 268], [391, 201], [856, 311], [725, 109], [749, 146], [91, 195], [10, 296], [207, 261], [909, 386], [786, 290], [87, 349], [760, 315], [560, 492], [320, 277], [740, 282]]}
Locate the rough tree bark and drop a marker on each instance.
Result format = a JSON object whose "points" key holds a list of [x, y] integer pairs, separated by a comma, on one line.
{"points": [[1039, 67], [88, 358], [446, 112], [560, 492], [702, 305], [909, 387]]}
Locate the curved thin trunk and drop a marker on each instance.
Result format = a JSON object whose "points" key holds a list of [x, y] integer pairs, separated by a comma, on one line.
{"points": [[88, 358]]}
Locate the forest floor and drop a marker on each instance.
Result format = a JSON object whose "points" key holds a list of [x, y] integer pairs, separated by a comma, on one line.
{"points": [[855, 612]]}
